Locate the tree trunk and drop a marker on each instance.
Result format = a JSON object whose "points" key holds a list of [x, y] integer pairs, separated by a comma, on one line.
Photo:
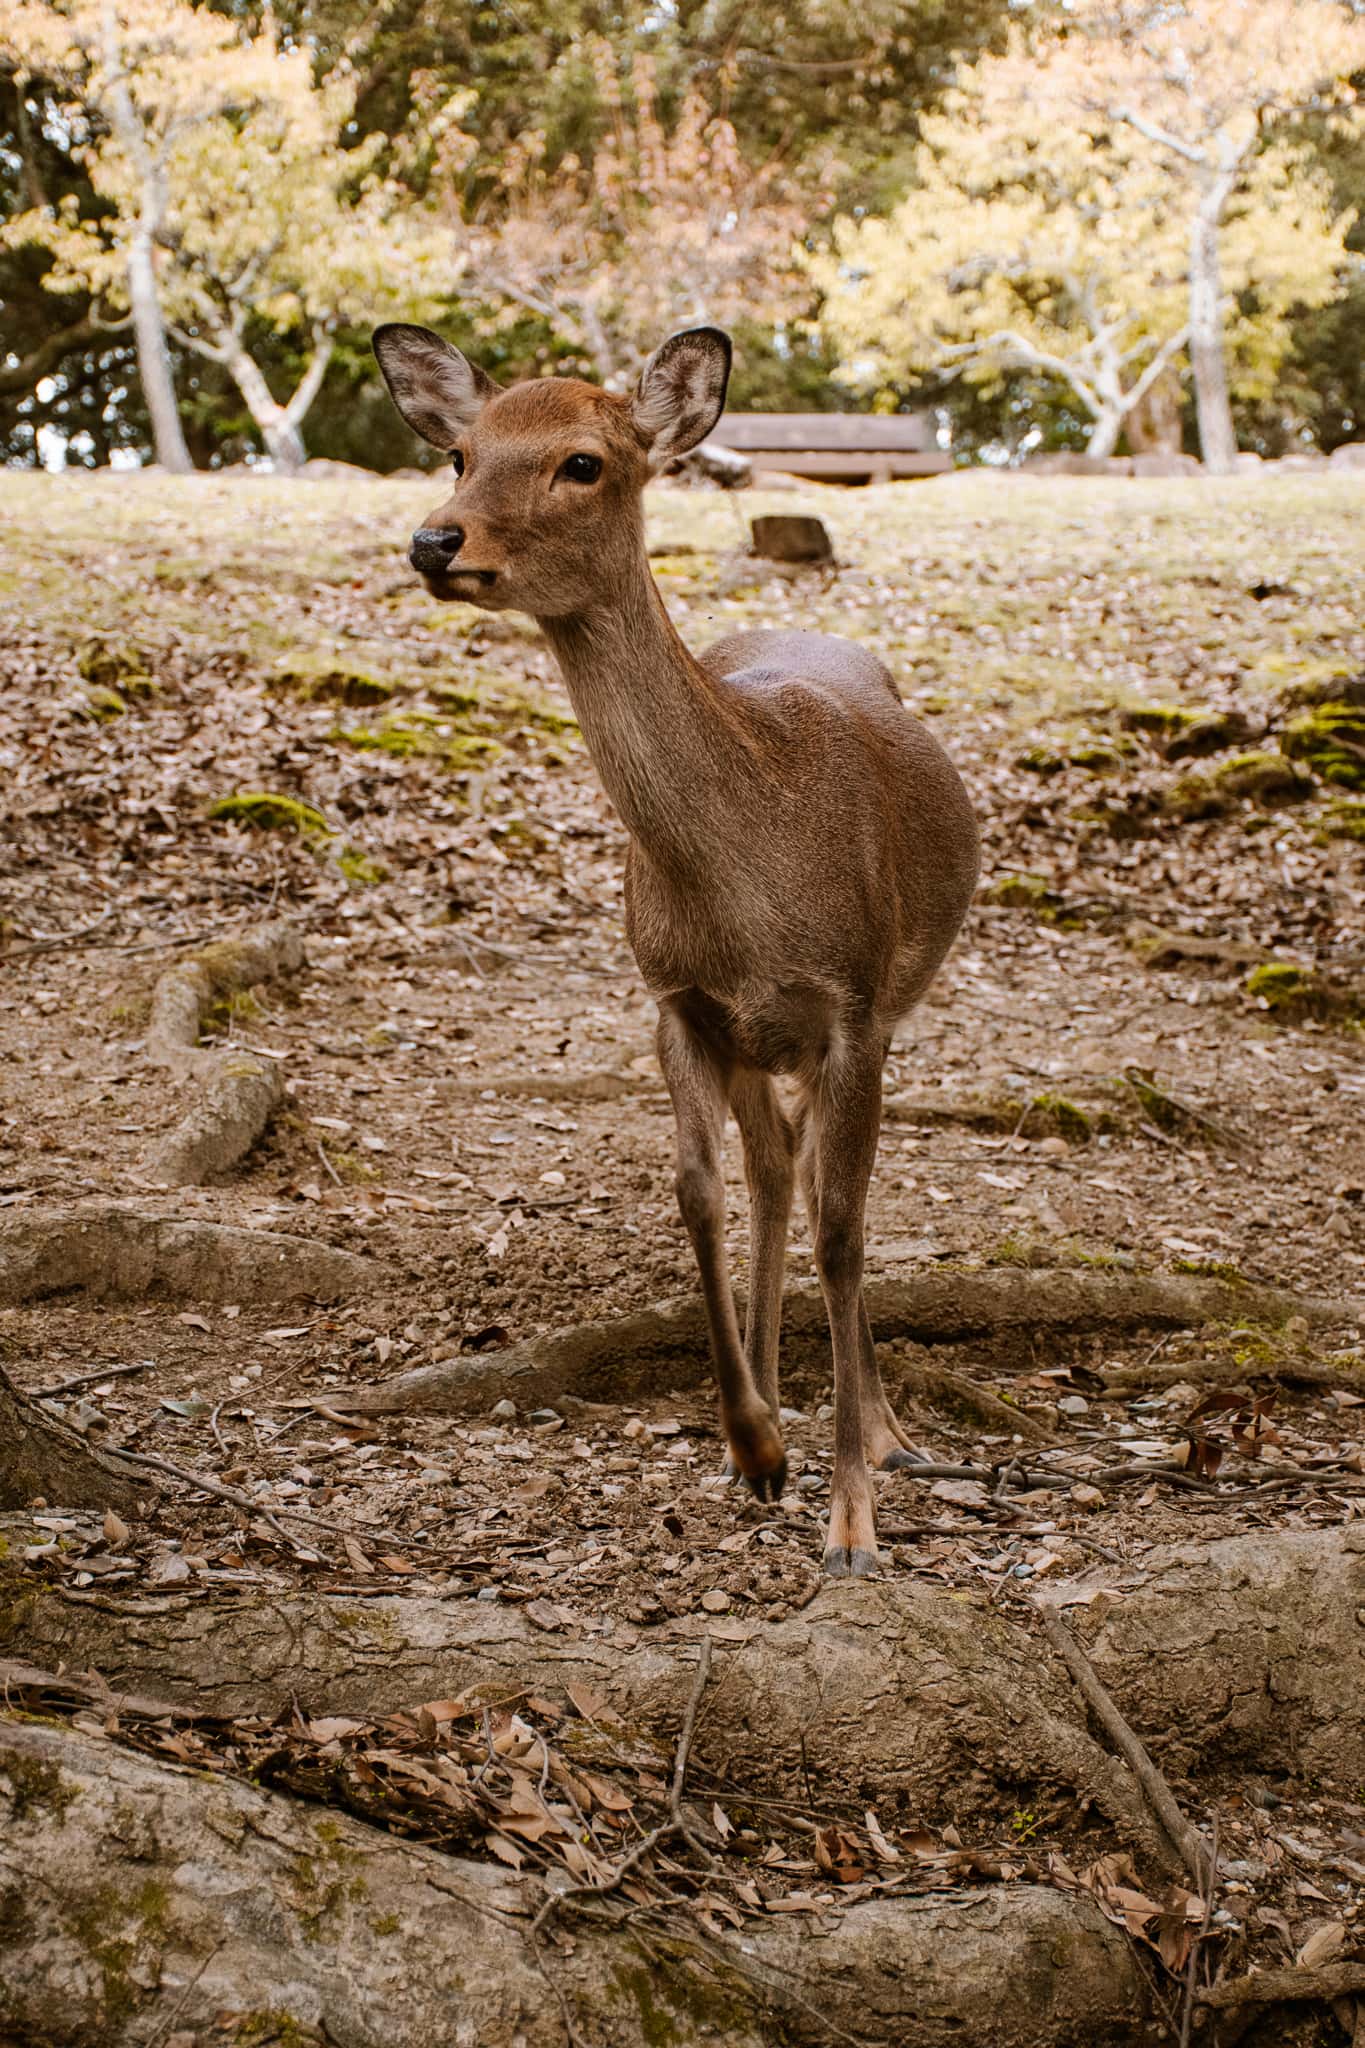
{"points": [[153, 357], [279, 424], [1104, 435], [40, 1456], [1217, 441], [1153, 424]]}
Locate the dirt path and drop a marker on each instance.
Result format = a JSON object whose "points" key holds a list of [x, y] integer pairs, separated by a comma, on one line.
{"points": [[471, 1101]]}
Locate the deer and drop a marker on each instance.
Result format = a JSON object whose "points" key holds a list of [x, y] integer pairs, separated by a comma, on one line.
{"points": [[801, 851]]}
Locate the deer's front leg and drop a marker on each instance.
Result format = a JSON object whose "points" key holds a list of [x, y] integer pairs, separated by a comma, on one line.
{"points": [[845, 1118], [697, 1085]]}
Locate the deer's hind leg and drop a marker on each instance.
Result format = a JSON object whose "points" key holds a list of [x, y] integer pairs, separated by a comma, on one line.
{"points": [[769, 1155], [885, 1442], [844, 1107], [698, 1083]]}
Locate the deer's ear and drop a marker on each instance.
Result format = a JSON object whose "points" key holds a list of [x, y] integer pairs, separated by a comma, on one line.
{"points": [[681, 392], [437, 390]]}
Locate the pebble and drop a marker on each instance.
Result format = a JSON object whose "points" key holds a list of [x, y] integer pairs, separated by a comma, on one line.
{"points": [[715, 1602], [824, 1413], [1073, 1404], [809, 1482], [434, 1475], [487, 1593], [791, 1415], [504, 1411], [545, 1418]]}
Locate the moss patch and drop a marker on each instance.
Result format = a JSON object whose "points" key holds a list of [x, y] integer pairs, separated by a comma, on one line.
{"points": [[422, 736], [1345, 820], [116, 665], [1294, 993], [1263, 778], [1331, 739], [330, 682], [99, 703], [268, 812]]}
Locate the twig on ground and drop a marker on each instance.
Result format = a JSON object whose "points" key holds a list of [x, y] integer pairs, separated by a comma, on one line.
{"points": [[88, 1379], [1194, 1850], [1196, 1946], [675, 1825], [327, 1164], [1287, 1986], [147, 1461]]}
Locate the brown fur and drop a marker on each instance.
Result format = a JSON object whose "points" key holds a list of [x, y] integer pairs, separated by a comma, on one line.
{"points": [[802, 854]]}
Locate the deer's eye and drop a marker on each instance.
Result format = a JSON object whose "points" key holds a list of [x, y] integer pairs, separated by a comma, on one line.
{"points": [[457, 461], [582, 469]]}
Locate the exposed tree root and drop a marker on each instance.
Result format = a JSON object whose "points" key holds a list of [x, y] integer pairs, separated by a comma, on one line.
{"points": [[41, 1457], [236, 1092], [140, 1902], [116, 1253], [665, 1347], [1246, 1650]]}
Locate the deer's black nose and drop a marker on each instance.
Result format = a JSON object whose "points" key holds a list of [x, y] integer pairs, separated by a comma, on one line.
{"points": [[434, 548]]}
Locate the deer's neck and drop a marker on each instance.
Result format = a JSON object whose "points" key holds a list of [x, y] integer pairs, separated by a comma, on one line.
{"points": [[662, 732]]}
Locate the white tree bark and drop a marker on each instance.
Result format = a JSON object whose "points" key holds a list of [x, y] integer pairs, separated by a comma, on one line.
{"points": [[279, 424], [1208, 357], [153, 356]]}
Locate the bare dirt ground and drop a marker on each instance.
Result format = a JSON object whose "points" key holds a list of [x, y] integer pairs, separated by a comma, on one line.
{"points": [[1120, 671]]}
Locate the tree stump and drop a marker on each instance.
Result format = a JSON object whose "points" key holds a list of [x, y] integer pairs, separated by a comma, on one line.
{"points": [[790, 537]]}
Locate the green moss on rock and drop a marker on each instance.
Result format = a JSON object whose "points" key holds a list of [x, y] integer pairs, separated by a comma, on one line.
{"points": [[422, 736], [99, 703], [268, 811], [1344, 820], [330, 682], [1262, 777], [1294, 993], [115, 665], [1161, 721], [1331, 739]]}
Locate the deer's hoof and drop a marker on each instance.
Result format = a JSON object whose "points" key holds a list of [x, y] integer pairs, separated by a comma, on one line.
{"points": [[768, 1485], [896, 1460], [849, 1564]]}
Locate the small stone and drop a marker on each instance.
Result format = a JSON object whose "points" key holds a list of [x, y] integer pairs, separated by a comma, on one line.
{"points": [[487, 1593], [809, 1482], [634, 1428], [716, 1601], [1087, 1496], [504, 1411], [664, 1428], [1073, 1404], [434, 1475], [824, 1413], [790, 1415], [545, 1418], [171, 1571]]}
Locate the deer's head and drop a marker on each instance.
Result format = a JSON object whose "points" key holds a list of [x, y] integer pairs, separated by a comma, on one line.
{"points": [[545, 512]]}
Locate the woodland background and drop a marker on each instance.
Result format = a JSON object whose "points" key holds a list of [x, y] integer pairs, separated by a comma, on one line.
{"points": [[558, 184]]}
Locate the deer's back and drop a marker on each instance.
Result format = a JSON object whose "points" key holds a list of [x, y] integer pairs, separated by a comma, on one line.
{"points": [[845, 845]]}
